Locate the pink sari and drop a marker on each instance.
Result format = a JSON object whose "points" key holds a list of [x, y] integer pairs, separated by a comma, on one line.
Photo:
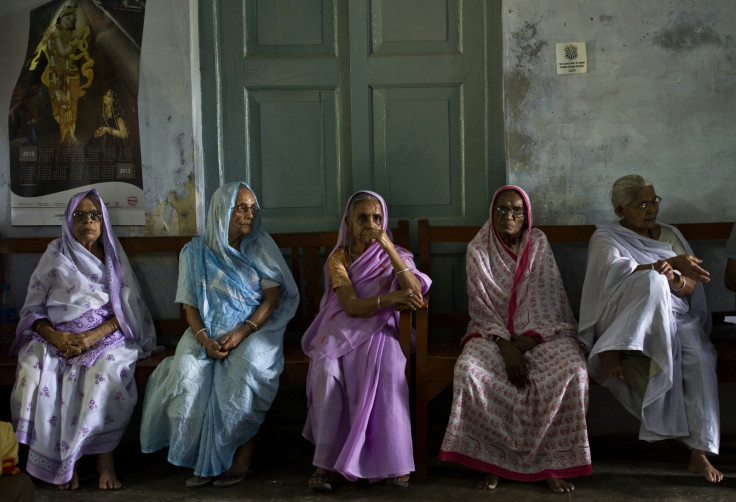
{"points": [[537, 432], [357, 392]]}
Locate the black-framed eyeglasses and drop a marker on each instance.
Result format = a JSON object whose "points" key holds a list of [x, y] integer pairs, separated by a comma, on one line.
{"points": [[516, 212], [244, 208], [646, 204], [80, 215]]}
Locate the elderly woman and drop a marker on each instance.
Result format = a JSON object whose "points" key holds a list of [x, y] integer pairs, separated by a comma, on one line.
{"points": [[521, 386], [82, 328], [207, 402], [357, 393], [645, 324]]}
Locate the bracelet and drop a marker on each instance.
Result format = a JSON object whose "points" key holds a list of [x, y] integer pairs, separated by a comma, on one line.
{"points": [[198, 332], [378, 300], [675, 290], [403, 270], [37, 325], [497, 338], [252, 325]]}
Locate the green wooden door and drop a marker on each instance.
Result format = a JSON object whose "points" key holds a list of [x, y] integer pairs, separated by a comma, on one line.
{"points": [[311, 100]]}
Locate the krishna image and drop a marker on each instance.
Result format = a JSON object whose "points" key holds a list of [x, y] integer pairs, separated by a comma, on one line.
{"points": [[64, 44]]}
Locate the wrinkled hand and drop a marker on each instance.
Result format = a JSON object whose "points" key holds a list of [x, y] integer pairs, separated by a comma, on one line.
{"points": [[66, 341], [376, 234], [409, 297], [214, 350], [233, 339], [663, 267], [687, 265], [516, 368], [524, 343]]}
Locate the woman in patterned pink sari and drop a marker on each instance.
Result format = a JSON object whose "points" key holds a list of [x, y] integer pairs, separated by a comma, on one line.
{"points": [[521, 383]]}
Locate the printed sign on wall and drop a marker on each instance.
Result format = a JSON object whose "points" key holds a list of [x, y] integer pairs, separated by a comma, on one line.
{"points": [[571, 58], [73, 121]]}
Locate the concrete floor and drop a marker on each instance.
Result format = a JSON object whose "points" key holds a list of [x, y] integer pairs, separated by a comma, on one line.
{"points": [[624, 469]]}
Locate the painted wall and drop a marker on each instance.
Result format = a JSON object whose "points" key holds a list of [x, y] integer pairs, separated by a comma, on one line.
{"points": [[659, 99], [169, 119]]}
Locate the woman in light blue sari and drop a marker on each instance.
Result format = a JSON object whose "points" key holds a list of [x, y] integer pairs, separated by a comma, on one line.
{"points": [[207, 402]]}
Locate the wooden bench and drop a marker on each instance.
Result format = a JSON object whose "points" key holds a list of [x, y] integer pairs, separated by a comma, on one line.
{"points": [[304, 253], [435, 359]]}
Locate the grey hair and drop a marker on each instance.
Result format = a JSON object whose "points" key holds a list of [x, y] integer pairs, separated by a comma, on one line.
{"points": [[359, 197], [625, 188]]}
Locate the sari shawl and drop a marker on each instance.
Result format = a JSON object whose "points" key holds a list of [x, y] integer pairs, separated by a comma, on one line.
{"points": [[635, 311], [66, 408], [203, 409], [357, 394], [531, 433], [334, 333], [70, 284], [520, 295]]}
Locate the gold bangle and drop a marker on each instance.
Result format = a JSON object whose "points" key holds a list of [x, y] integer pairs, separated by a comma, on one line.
{"points": [[252, 325], [378, 300], [403, 270]]}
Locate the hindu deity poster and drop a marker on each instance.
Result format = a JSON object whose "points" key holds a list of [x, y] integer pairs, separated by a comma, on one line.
{"points": [[74, 115]]}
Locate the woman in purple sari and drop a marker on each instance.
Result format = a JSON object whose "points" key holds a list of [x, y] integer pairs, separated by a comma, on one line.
{"points": [[357, 393], [82, 328]]}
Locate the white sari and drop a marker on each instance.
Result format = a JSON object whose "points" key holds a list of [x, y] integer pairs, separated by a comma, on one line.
{"points": [[635, 311]]}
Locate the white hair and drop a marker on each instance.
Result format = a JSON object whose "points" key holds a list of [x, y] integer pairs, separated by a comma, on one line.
{"points": [[625, 188]]}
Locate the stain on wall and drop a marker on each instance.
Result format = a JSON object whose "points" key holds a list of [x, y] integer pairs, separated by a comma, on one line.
{"points": [[658, 99], [687, 35]]}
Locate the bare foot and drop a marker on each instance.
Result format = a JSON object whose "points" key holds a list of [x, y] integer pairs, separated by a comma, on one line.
{"points": [[73, 484], [612, 363], [106, 468], [699, 464], [558, 485], [489, 482]]}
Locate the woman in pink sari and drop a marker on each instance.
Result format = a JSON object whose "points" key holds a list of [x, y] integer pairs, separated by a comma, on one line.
{"points": [[521, 383], [357, 392]]}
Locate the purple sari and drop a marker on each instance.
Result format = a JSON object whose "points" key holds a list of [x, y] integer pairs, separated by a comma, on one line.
{"points": [[357, 393]]}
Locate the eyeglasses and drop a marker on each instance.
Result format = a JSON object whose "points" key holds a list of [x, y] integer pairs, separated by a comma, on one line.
{"points": [[243, 208], [516, 212], [82, 215], [644, 205]]}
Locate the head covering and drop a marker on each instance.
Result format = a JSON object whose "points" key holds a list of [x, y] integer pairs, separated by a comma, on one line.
{"points": [[238, 273], [515, 293], [333, 333], [343, 237], [111, 280]]}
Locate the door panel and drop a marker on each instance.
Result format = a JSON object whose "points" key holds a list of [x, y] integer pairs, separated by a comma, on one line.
{"points": [[314, 99]]}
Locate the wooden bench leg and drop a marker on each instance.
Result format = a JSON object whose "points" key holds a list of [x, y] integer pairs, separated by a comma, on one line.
{"points": [[421, 427]]}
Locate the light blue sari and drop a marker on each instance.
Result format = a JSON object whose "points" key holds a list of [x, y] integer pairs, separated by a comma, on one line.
{"points": [[202, 408]]}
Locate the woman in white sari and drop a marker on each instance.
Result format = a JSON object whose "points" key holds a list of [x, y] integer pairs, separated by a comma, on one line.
{"points": [[82, 328], [645, 325]]}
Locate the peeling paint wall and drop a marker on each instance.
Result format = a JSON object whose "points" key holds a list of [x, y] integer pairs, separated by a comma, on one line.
{"points": [[659, 99], [169, 115]]}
